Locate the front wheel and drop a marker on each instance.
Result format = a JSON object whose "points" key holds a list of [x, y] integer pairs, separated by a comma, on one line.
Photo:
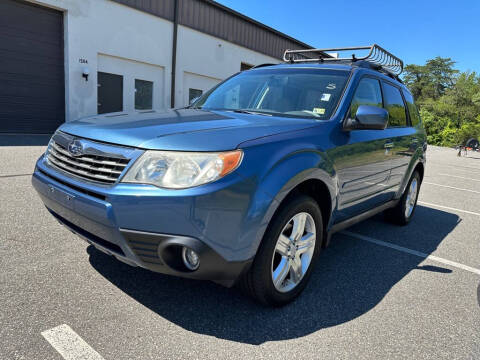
{"points": [[402, 213], [284, 261]]}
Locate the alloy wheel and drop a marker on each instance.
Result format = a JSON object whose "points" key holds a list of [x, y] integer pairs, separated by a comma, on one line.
{"points": [[411, 199], [293, 252]]}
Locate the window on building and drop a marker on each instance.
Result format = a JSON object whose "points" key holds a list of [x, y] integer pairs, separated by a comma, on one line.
{"points": [[143, 94], [395, 106], [109, 93], [193, 94], [368, 92], [412, 109], [245, 66]]}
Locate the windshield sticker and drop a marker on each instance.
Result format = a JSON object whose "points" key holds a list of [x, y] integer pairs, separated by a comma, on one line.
{"points": [[331, 86], [320, 111], [326, 97]]}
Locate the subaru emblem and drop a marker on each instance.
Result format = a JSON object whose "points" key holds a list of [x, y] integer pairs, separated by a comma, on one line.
{"points": [[75, 148]]}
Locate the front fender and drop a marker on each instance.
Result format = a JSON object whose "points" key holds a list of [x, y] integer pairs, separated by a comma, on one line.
{"points": [[275, 179]]}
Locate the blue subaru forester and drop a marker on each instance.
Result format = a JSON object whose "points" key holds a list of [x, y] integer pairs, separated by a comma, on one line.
{"points": [[249, 182]]}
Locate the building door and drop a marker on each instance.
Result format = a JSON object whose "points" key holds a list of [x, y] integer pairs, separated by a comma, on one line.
{"points": [[110, 93], [32, 86]]}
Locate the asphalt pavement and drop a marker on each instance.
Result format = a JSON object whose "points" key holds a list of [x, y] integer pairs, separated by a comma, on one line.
{"points": [[379, 291]]}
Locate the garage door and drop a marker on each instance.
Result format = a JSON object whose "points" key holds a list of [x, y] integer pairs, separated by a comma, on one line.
{"points": [[32, 96]]}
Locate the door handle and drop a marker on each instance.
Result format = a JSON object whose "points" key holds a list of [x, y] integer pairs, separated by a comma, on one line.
{"points": [[388, 145]]}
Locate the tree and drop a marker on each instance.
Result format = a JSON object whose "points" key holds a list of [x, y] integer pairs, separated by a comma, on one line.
{"points": [[449, 101], [441, 74], [430, 81], [416, 78]]}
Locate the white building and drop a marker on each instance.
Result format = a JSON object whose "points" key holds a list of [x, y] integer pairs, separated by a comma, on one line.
{"points": [[65, 59]]}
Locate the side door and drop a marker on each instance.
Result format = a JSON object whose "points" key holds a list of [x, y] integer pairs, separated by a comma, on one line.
{"points": [[401, 135], [363, 162]]}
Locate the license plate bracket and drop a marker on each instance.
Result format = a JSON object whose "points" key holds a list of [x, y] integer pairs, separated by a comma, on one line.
{"points": [[62, 197]]}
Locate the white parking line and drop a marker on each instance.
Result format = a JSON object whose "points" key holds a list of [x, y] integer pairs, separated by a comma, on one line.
{"points": [[452, 187], [448, 208], [456, 166], [69, 344], [460, 177], [412, 252]]}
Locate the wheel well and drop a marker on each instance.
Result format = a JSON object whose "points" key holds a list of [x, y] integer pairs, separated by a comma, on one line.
{"points": [[420, 169], [319, 192]]}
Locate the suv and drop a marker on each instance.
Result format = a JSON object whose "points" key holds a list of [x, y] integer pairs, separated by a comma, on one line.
{"points": [[249, 182]]}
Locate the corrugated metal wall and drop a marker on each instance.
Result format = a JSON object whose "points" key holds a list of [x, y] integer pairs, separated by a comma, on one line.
{"points": [[219, 21], [162, 8]]}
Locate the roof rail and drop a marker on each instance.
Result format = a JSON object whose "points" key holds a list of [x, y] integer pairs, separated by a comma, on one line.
{"points": [[377, 56]]}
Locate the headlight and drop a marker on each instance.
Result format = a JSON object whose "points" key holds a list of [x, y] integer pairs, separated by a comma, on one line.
{"points": [[180, 170]]}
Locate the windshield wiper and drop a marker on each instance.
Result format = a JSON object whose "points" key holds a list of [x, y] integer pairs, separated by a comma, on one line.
{"points": [[244, 111]]}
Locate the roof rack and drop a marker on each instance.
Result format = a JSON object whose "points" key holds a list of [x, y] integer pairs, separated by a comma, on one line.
{"points": [[377, 56], [262, 65]]}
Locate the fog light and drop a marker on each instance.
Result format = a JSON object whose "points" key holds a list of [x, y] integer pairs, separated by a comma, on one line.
{"points": [[190, 258]]}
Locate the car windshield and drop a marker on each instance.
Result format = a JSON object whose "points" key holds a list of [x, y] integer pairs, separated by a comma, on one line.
{"points": [[293, 92]]}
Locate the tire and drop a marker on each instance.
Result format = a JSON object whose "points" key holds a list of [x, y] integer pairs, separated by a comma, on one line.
{"points": [[277, 258], [399, 214], [473, 144]]}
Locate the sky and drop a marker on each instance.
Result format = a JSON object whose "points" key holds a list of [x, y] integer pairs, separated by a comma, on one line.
{"points": [[415, 31]]}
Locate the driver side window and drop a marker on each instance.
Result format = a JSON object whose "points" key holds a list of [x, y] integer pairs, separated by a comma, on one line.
{"points": [[368, 92]]}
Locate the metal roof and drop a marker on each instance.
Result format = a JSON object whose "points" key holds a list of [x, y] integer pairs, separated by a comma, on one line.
{"points": [[222, 22]]}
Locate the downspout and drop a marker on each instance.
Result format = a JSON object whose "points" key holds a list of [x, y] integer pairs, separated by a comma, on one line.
{"points": [[174, 52]]}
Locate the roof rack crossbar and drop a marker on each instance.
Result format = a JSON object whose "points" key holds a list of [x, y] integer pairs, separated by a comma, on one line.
{"points": [[377, 56]]}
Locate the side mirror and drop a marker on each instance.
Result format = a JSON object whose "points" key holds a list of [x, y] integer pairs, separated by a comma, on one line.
{"points": [[367, 118]]}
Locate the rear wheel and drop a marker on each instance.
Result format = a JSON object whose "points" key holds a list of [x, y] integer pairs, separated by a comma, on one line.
{"points": [[284, 261], [403, 212]]}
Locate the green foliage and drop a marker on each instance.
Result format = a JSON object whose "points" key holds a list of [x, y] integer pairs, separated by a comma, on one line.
{"points": [[449, 101], [397, 115], [468, 131]]}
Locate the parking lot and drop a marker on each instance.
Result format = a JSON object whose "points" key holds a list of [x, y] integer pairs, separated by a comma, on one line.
{"points": [[379, 290]]}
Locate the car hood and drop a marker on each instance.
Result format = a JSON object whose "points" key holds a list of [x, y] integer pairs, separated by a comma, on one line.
{"points": [[185, 129]]}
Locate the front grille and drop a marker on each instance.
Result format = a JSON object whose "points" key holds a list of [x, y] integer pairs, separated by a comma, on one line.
{"points": [[99, 168]]}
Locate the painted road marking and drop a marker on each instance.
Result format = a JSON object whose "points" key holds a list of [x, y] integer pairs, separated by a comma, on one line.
{"points": [[14, 175], [460, 177], [452, 187], [448, 208], [412, 252], [456, 166], [69, 344]]}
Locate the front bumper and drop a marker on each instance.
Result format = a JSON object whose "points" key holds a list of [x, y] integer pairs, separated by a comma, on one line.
{"points": [[142, 225]]}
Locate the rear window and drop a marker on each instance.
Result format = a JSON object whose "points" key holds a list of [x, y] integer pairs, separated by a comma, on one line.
{"points": [[293, 92], [395, 106], [412, 109]]}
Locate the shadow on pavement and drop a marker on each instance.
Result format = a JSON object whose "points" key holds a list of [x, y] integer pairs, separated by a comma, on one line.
{"points": [[434, 269], [24, 140], [350, 278]]}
